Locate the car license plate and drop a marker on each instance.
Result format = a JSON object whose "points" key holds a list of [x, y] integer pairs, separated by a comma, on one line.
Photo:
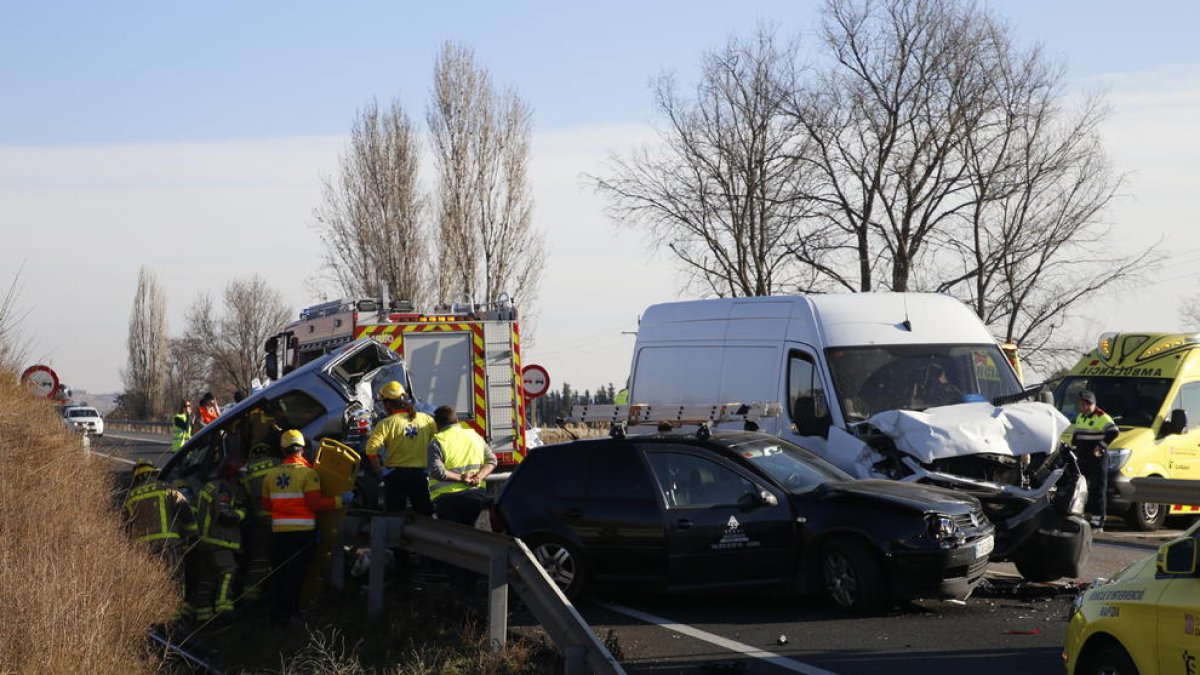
{"points": [[984, 546]]}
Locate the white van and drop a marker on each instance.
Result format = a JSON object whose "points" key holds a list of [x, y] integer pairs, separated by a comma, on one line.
{"points": [[885, 385]]}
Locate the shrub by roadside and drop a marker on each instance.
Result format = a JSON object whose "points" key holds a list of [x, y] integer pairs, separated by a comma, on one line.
{"points": [[75, 594]]}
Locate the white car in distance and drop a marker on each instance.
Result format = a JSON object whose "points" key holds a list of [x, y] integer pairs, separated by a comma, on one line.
{"points": [[83, 419]]}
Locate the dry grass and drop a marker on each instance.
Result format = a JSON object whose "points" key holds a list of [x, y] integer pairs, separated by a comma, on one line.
{"points": [[75, 595]]}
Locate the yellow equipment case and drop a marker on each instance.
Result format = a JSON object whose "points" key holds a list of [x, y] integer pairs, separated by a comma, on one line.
{"points": [[337, 464]]}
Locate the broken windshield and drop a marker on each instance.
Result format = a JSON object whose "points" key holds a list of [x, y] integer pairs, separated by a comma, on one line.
{"points": [[872, 379]]}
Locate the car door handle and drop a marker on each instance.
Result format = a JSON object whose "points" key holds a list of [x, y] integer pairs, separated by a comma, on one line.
{"points": [[683, 524], [574, 514]]}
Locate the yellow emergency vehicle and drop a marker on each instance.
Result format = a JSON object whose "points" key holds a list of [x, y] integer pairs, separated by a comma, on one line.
{"points": [[1150, 384], [1145, 620]]}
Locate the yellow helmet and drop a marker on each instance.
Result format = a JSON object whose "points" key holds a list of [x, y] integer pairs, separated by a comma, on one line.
{"points": [[291, 437], [142, 468], [393, 391]]}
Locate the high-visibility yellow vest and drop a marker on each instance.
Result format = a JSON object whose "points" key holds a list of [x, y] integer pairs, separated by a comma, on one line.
{"points": [[182, 431], [220, 515], [252, 482], [157, 511], [462, 451]]}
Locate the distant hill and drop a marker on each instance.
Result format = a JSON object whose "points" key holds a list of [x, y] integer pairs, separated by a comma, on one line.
{"points": [[104, 403]]}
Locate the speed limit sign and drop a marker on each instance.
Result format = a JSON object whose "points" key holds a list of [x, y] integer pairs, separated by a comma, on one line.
{"points": [[42, 380], [535, 381]]}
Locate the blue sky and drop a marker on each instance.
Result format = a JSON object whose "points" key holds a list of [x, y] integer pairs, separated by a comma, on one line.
{"points": [[191, 138]]}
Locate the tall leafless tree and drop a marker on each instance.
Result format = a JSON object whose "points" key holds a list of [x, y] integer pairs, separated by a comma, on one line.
{"points": [[188, 371], [486, 241], [370, 219], [232, 339], [146, 371], [725, 189]]}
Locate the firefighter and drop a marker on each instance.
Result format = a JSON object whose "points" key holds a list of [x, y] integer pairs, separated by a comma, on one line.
{"points": [[219, 513], [404, 436], [158, 517], [183, 425], [292, 494], [459, 460], [1091, 433], [256, 529]]}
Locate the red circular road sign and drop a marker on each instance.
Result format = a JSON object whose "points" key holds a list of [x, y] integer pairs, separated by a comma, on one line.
{"points": [[41, 379], [535, 381]]}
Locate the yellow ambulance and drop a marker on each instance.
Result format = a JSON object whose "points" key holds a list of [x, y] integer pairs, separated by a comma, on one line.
{"points": [[1145, 620], [1150, 384]]}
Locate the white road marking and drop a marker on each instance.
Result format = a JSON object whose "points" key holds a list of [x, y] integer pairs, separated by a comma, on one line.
{"points": [[139, 440], [113, 457], [724, 643]]}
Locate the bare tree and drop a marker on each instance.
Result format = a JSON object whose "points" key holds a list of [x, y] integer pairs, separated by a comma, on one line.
{"points": [[725, 190], [231, 340], [146, 370], [187, 371], [370, 220], [486, 242], [14, 349]]}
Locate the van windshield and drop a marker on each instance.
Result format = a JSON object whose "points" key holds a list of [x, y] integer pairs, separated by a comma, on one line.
{"points": [[1130, 401], [872, 379]]}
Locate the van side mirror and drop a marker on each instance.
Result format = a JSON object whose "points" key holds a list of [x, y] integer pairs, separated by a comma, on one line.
{"points": [[272, 366], [1178, 557], [804, 416], [1046, 396], [1175, 424]]}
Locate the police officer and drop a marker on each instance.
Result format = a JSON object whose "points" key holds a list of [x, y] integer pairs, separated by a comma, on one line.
{"points": [[459, 460], [404, 437], [182, 423], [219, 514], [1091, 433]]}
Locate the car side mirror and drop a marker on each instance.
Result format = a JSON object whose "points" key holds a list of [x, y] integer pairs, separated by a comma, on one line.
{"points": [[1177, 423], [762, 498], [1178, 557]]}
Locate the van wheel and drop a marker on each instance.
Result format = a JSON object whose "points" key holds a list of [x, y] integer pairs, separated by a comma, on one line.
{"points": [[852, 576], [1111, 660], [562, 562], [1147, 517]]}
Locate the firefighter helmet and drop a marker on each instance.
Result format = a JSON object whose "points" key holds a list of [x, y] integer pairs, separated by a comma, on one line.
{"points": [[142, 468], [291, 437]]}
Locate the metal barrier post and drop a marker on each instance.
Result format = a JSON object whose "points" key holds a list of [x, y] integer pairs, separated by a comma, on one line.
{"points": [[379, 528], [498, 600]]}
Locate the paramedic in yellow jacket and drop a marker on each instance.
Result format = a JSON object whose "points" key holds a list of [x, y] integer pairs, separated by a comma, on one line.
{"points": [[404, 437], [1091, 433], [459, 460], [291, 493]]}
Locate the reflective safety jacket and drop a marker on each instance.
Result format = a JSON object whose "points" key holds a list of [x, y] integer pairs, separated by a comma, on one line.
{"points": [[1092, 431], [155, 510], [183, 431], [404, 440], [458, 449], [252, 482], [219, 514], [292, 494]]}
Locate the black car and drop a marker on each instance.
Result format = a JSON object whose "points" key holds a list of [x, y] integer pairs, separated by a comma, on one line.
{"points": [[733, 510]]}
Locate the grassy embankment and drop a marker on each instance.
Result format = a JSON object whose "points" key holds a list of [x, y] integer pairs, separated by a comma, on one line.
{"points": [[75, 596]]}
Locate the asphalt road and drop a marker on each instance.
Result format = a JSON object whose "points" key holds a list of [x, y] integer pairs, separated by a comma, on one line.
{"points": [[1005, 627]]}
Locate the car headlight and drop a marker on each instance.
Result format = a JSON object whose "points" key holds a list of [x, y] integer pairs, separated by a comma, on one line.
{"points": [[1117, 458], [945, 531]]}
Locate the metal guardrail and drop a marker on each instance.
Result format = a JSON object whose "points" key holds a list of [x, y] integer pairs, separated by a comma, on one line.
{"points": [[503, 559], [138, 425], [1166, 491]]}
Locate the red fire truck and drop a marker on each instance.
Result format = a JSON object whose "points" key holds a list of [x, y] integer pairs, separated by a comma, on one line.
{"points": [[465, 355]]}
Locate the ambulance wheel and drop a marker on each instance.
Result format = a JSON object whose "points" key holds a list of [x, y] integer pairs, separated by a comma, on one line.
{"points": [[1146, 517], [1110, 660], [562, 562], [852, 576]]}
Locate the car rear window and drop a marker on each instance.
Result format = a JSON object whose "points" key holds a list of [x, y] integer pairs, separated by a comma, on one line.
{"points": [[83, 412]]}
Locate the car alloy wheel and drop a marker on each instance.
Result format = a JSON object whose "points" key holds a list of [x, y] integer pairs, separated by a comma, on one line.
{"points": [[562, 565], [1111, 660], [852, 574]]}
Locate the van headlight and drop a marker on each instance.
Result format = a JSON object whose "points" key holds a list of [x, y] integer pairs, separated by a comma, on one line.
{"points": [[1117, 457], [945, 531]]}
